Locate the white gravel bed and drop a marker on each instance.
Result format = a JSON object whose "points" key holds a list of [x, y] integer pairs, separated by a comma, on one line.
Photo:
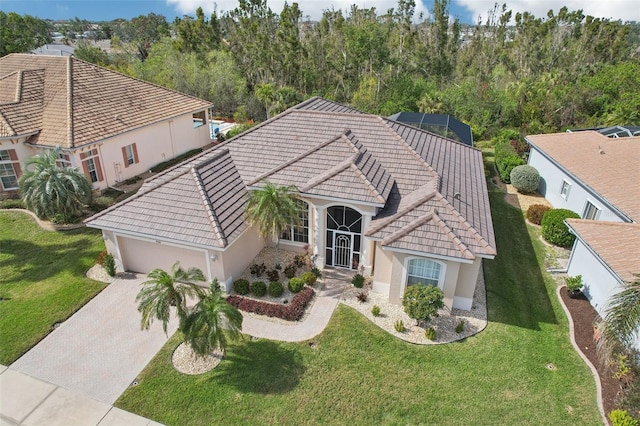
{"points": [[186, 361], [97, 273], [475, 320]]}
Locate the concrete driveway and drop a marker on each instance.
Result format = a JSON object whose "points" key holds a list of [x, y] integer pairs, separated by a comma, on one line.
{"points": [[100, 350]]}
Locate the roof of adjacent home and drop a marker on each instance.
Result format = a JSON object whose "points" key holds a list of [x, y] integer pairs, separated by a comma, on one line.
{"points": [[64, 101], [616, 243], [609, 166], [431, 191]]}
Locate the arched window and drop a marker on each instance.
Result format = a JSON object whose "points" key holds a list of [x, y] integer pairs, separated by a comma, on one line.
{"points": [[299, 233], [424, 271]]}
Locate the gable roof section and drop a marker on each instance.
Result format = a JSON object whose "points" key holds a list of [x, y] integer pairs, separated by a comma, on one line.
{"points": [[82, 103], [21, 107], [202, 206], [615, 243], [609, 166]]}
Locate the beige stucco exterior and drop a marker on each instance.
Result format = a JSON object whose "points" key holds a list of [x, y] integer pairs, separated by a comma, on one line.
{"points": [[238, 256]]}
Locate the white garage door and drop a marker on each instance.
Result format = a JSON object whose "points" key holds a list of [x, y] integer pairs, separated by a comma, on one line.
{"points": [[144, 256]]}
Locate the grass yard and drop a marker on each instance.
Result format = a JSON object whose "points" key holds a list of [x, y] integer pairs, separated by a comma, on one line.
{"points": [[42, 279], [359, 374]]}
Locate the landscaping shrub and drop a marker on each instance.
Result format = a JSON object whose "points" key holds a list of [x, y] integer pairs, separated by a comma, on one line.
{"points": [[309, 278], [316, 272], [100, 258], [12, 203], [622, 418], [506, 158], [290, 270], [362, 297], [535, 213], [241, 286], [258, 288], [573, 283], [101, 203], [295, 284], [460, 326], [276, 289], [421, 302], [375, 311], [257, 270], [358, 281], [273, 275], [169, 163], [554, 229], [525, 178], [430, 333], [289, 312], [109, 265], [399, 326], [299, 260]]}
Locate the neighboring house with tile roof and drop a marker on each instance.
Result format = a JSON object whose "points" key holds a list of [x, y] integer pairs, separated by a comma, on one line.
{"points": [[396, 202], [109, 125], [597, 177]]}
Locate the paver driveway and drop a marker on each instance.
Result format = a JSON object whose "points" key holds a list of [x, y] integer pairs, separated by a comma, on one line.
{"points": [[100, 350]]}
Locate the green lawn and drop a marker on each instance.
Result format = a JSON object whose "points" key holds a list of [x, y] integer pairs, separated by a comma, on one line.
{"points": [[360, 374], [42, 279]]}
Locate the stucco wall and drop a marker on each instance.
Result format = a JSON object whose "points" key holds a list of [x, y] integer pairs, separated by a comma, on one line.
{"points": [[237, 257], [23, 152], [467, 280], [382, 270], [551, 178]]}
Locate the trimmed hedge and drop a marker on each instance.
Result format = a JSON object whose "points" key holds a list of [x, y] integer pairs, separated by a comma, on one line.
{"points": [[258, 288], [170, 163], [309, 278], [535, 213], [241, 286], [506, 159], [553, 228], [295, 284], [525, 178], [290, 312], [276, 289]]}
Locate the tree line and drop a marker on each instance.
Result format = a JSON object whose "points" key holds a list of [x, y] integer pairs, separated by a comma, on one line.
{"points": [[515, 71]]}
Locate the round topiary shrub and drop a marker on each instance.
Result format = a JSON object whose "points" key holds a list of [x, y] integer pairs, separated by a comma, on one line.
{"points": [[258, 288], [553, 228], [276, 289], [535, 213], [241, 286], [525, 179], [309, 278], [295, 284]]}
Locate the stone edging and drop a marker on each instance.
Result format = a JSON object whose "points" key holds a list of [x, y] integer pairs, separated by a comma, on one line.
{"points": [[594, 372], [46, 225]]}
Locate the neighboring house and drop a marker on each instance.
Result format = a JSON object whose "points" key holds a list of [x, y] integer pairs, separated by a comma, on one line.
{"points": [[385, 198], [111, 126], [598, 177], [54, 50]]}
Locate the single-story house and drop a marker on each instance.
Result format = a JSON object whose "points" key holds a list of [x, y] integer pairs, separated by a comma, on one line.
{"points": [[398, 203], [111, 126], [597, 177]]}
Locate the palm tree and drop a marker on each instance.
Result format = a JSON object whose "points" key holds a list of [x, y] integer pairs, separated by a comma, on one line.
{"points": [[163, 290], [49, 190], [211, 323], [273, 209], [621, 322]]}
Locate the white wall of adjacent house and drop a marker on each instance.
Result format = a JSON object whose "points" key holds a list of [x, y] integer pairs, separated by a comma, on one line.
{"points": [[565, 192]]}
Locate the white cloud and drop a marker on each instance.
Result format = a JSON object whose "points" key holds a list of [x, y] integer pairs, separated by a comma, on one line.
{"points": [[625, 10], [312, 8]]}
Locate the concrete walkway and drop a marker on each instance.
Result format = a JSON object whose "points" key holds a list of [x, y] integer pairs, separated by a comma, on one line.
{"points": [[316, 320], [25, 400], [99, 351]]}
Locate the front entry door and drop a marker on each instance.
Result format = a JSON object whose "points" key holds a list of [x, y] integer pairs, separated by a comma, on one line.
{"points": [[342, 250]]}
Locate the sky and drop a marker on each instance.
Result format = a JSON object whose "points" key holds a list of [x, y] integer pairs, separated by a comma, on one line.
{"points": [[467, 11]]}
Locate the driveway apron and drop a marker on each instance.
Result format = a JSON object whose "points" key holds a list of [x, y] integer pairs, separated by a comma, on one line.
{"points": [[100, 350]]}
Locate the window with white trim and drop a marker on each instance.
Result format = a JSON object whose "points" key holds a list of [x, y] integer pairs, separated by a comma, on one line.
{"points": [[424, 271], [9, 169], [300, 232], [590, 212], [130, 155], [564, 190], [91, 165]]}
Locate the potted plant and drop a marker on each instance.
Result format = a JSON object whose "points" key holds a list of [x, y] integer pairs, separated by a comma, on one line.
{"points": [[574, 285]]}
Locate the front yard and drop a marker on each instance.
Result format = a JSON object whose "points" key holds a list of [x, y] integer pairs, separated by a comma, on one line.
{"points": [[42, 279], [520, 370]]}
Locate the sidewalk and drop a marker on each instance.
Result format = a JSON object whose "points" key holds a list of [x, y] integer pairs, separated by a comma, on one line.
{"points": [[25, 400]]}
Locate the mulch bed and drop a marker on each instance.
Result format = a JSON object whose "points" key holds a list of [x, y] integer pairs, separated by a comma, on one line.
{"points": [[584, 316]]}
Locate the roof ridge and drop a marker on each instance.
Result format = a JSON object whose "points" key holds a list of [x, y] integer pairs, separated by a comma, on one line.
{"points": [[70, 135], [602, 222], [215, 224], [19, 80], [384, 222], [5, 123], [453, 237], [297, 158], [408, 228], [364, 177]]}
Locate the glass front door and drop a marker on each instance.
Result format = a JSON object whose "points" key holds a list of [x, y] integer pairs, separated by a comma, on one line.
{"points": [[344, 227]]}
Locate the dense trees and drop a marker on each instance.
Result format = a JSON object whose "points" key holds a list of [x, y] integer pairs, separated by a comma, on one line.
{"points": [[22, 33]]}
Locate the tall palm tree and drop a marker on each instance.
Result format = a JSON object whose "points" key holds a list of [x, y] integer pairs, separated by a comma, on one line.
{"points": [[163, 290], [273, 209], [621, 322], [211, 323], [49, 190]]}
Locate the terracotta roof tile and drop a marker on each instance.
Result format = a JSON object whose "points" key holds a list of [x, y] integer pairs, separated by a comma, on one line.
{"points": [[616, 243]]}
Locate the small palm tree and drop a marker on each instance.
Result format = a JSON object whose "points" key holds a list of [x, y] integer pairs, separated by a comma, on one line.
{"points": [[49, 190], [619, 327], [211, 323], [273, 209], [163, 290]]}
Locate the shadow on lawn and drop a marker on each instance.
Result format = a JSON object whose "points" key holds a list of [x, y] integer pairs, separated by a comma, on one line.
{"points": [[262, 367], [516, 290]]}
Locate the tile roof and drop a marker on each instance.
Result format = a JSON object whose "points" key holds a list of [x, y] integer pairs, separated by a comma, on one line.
{"points": [[609, 166], [198, 206], [73, 103], [616, 243], [431, 190]]}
